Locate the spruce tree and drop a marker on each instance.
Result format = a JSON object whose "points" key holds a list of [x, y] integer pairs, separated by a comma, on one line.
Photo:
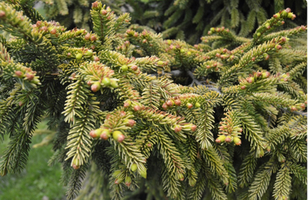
{"points": [[135, 115]]}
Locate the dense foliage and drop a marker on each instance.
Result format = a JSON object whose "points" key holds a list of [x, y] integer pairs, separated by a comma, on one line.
{"points": [[181, 19], [136, 115]]}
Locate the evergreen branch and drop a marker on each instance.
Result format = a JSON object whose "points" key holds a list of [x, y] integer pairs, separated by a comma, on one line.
{"points": [[215, 187], [261, 181], [204, 135], [282, 186], [286, 33], [4, 55], [79, 142], [199, 189], [30, 12], [213, 160], [75, 182], [252, 130], [174, 165], [15, 157], [299, 150], [248, 166], [14, 22], [299, 172]]}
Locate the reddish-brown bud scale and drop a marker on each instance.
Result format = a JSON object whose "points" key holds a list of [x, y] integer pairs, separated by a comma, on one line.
{"points": [[93, 38], [228, 139], [177, 102], [259, 74], [134, 67], [104, 12], [89, 83], [131, 123], [118, 136], [169, 103], [87, 36], [193, 128], [96, 59], [164, 106], [144, 41], [122, 113], [95, 4], [217, 55], [93, 134], [237, 141], [137, 108], [38, 23], [220, 139], [293, 108], [288, 10], [2, 14], [177, 128], [253, 58], [96, 86], [189, 105], [20, 103], [208, 67], [76, 166], [127, 104], [303, 106], [29, 76], [53, 31], [19, 74], [44, 29], [278, 47]]}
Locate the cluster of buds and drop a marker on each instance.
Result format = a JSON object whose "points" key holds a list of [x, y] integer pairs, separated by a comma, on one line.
{"points": [[28, 74], [90, 37], [255, 77], [105, 133], [212, 65], [228, 138], [298, 107], [185, 51], [217, 30], [83, 53], [285, 77], [276, 20], [130, 68], [285, 14], [229, 133], [171, 102], [133, 105], [120, 176], [177, 102], [185, 127], [124, 46], [101, 77], [132, 33], [52, 27]]}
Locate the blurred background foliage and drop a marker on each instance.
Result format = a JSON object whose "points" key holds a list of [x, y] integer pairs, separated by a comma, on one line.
{"points": [[181, 19], [38, 180]]}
